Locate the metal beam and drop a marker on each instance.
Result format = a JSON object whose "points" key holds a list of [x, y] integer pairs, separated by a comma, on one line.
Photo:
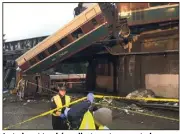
{"points": [[141, 53]]}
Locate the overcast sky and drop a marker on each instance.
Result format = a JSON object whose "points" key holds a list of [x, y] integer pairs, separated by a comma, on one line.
{"points": [[27, 20]]}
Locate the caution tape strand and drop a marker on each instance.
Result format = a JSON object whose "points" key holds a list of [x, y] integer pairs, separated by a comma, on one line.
{"points": [[44, 114], [123, 98], [146, 114], [96, 96], [143, 99]]}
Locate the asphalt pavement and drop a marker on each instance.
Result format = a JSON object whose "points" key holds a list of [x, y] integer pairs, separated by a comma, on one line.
{"points": [[15, 111]]}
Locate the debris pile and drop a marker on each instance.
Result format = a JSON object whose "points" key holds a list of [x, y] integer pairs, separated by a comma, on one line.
{"points": [[147, 93], [141, 93]]}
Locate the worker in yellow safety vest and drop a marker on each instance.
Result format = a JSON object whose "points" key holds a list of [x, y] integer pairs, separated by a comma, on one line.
{"points": [[59, 121]]}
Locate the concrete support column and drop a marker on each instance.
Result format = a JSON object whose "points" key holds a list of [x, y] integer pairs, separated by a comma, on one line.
{"points": [[126, 74], [115, 74], [91, 76]]}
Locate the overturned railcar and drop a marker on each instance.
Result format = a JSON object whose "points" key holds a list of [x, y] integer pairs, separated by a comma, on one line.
{"points": [[96, 23], [117, 66]]}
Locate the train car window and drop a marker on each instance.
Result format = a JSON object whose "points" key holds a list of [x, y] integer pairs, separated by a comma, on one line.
{"points": [[87, 27], [154, 4], [32, 61], [64, 41], [100, 19], [77, 33], [52, 49], [138, 15], [94, 22], [41, 56], [133, 16]]}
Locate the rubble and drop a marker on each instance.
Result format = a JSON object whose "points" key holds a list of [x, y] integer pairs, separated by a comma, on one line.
{"points": [[175, 104], [126, 111], [141, 93], [140, 110], [134, 107], [28, 101], [107, 101]]}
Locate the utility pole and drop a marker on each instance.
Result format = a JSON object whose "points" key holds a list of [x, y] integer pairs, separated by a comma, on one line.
{"points": [[4, 40]]}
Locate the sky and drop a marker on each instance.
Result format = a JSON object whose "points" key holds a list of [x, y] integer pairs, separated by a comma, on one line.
{"points": [[28, 20]]}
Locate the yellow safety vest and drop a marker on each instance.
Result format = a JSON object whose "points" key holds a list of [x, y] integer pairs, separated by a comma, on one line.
{"points": [[58, 102], [88, 121]]}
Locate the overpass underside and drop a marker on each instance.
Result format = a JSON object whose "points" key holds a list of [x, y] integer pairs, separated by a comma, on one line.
{"points": [[153, 63]]}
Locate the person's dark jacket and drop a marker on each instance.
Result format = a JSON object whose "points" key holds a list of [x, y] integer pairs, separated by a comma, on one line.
{"points": [[76, 113]]}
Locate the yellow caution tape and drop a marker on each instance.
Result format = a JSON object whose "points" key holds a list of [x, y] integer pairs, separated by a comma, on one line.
{"points": [[144, 99], [44, 114], [146, 114], [117, 97], [96, 96]]}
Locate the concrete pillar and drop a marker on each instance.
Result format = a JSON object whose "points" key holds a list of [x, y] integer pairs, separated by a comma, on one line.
{"points": [[126, 74], [91, 76], [115, 74]]}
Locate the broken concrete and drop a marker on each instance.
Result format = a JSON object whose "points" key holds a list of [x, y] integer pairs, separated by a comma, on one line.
{"points": [[141, 93]]}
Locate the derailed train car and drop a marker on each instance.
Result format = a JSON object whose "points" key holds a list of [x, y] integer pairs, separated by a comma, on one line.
{"points": [[98, 23], [94, 24]]}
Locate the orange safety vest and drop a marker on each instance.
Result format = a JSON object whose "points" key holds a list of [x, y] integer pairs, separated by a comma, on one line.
{"points": [[58, 102]]}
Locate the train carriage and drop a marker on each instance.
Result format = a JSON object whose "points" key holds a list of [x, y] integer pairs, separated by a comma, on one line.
{"points": [[92, 25], [147, 16], [95, 24]]}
